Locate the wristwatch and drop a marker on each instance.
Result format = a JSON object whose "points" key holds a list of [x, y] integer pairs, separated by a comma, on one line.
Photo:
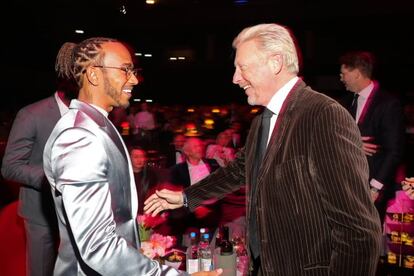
{"points": [[185, 201]]}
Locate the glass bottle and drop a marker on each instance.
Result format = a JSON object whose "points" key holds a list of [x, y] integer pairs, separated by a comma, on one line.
{"points": [[219, 237], [226, 247], [205, 254], [192, 261]]}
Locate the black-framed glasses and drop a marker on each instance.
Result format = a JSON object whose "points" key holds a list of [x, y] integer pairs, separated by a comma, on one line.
{"points": [[129, 71]]}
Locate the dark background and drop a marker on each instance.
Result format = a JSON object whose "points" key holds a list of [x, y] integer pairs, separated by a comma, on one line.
{"points": [[203, 30]]}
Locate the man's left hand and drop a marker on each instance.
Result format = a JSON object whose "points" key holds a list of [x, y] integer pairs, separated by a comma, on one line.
{"points": [[374, 194]]}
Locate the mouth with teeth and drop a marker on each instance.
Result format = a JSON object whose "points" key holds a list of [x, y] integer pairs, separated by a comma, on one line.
{"points": [[247, 86], [127, 91]]}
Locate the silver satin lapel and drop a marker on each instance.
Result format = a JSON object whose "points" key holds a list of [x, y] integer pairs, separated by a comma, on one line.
{"points": [[112, 132], [102, 122]]}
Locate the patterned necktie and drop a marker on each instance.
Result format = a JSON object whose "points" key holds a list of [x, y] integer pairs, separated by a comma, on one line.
{"points": [[354, 106]]}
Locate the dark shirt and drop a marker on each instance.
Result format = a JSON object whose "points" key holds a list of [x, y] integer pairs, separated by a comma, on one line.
{"points": [[146, 182]]}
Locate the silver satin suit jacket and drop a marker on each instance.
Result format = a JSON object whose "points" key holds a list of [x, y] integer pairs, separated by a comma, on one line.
{"points": [[90, 174]]}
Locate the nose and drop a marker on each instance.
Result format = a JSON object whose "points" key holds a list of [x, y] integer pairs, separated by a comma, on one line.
{"points": [[237, 76], [134, 80]]}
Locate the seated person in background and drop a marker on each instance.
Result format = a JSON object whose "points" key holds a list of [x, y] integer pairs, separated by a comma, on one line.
{"points": [[175, 153], [147, 180], [220, 151], [183, 175], [146, 177], [408, 187], [237, 135]]}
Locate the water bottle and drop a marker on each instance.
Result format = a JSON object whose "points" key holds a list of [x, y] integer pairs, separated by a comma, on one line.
{"points": [[192, 262], [205, 253]]}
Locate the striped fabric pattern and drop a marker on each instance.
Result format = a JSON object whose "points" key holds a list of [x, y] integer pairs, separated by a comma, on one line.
{"points": [[314, 211]]}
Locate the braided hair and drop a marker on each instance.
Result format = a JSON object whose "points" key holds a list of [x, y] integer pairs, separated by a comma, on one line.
{"points": [[64, 79], [73, 59]]}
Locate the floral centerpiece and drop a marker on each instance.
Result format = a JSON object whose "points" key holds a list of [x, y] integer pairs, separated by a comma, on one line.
{"points": [[153, 245], [146, 223], [157, 246]]}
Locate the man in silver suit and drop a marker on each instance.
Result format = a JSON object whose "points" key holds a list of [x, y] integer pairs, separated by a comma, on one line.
{"points": [[89, 170]]}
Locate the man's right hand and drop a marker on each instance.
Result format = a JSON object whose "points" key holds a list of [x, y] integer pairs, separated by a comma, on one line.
{"points": [[163, 200]]}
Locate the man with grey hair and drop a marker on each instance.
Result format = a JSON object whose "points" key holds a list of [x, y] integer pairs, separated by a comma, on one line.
{"points": [[309, 209]]}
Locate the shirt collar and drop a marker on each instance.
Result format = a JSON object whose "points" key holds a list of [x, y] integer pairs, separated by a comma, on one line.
{"points": [[276, 102], [192, 166], [100, 109], [63, 108], [364, 93]]}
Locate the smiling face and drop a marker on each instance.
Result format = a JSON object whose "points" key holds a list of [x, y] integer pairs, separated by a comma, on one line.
{"points": [[117, 83], [254, 73]]}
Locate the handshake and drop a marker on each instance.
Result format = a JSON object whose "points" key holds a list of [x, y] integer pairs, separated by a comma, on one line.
{"points": [[168, 200], [163, 200]]}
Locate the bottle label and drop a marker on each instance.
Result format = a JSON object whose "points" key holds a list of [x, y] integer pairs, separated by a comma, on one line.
{"points": [[192, 265], [206, 265]]}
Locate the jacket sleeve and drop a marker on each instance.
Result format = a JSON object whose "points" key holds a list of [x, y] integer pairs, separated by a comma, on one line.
{"points": [[340, 175], [219, 183], [391, 128], [80, 172], [16, 164]]}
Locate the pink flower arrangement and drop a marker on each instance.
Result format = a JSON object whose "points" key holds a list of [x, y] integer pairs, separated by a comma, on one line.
{"points": [[149, 221], [146, 222], [153, 245], [157, 246]]}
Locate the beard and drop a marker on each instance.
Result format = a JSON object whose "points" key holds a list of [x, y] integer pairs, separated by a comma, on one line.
{"points": [[114, 94]]}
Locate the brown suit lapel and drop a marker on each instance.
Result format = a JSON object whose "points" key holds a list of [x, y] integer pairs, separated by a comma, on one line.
{"points": [[283, 121]]}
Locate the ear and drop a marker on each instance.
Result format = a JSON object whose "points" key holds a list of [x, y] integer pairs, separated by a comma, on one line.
{"points": [[92, 75], [276, 62], [358, 74]]}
